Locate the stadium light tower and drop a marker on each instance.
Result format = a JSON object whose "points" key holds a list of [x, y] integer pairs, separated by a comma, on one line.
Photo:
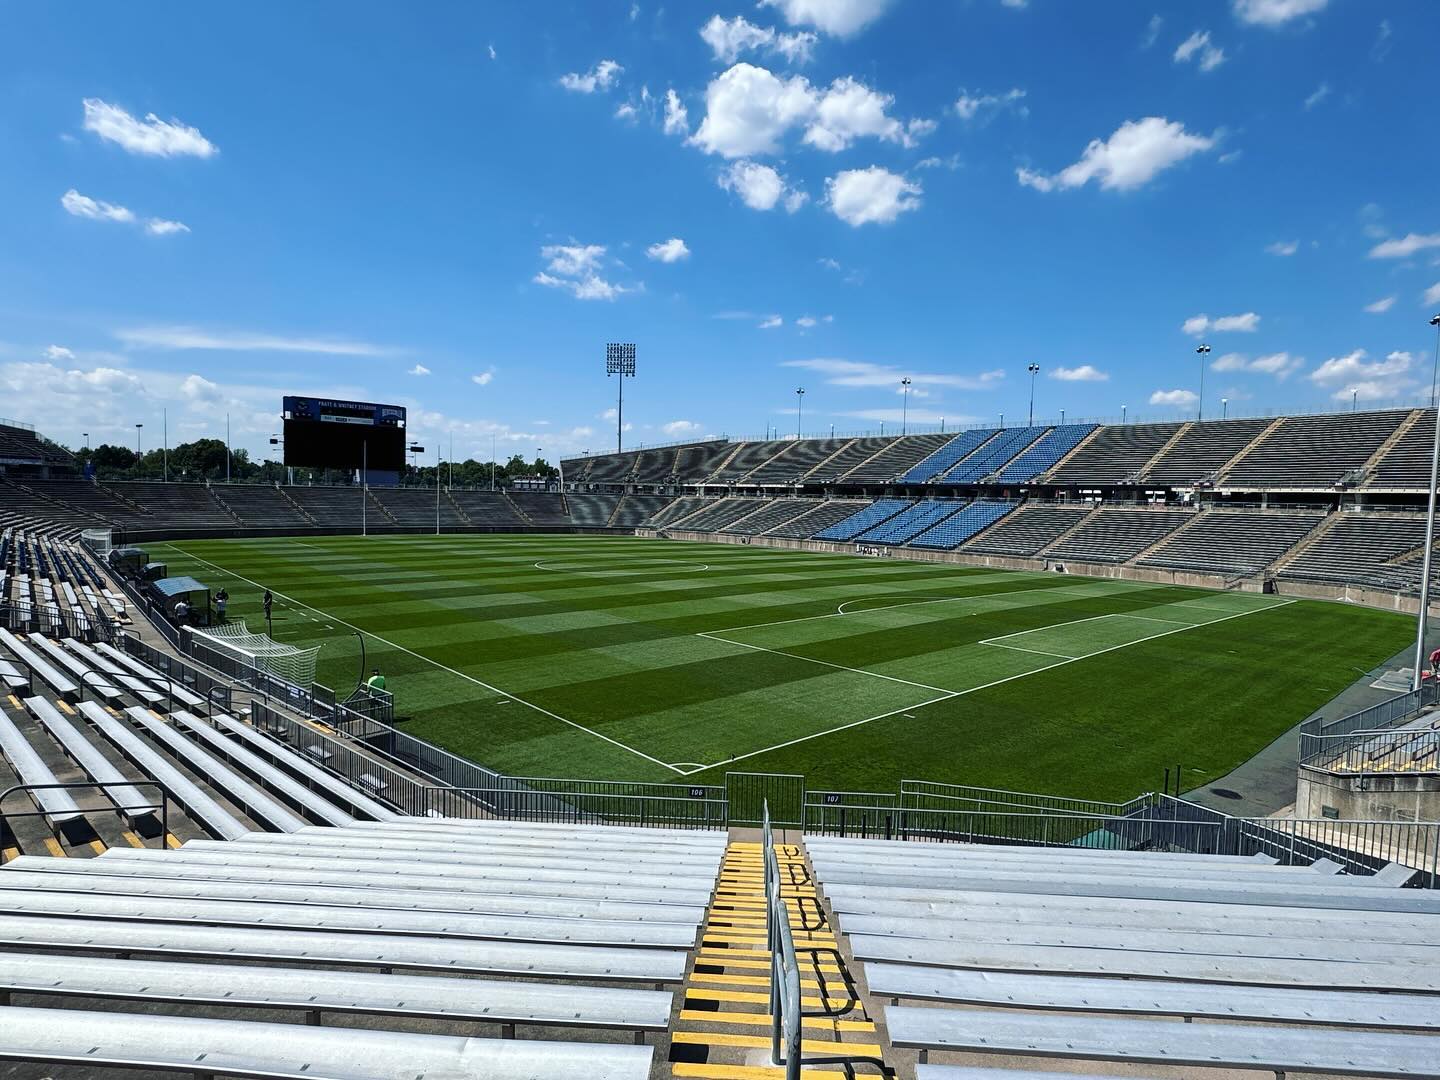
{"points": [[620, 360], [1034, 370], [799, 404], [137, 442], [1224, 408], [1203, 351], [1123, 410], [1429, 530], [86, 434], [905, 405]]}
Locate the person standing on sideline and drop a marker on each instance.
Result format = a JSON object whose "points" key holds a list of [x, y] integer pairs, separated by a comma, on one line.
{"points": [[221, 599], [182, 613], [376, 680]]}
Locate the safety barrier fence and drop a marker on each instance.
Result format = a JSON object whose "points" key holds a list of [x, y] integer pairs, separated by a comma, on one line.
{"points": [[25, 616], [1406, 751], [1385, 714]]}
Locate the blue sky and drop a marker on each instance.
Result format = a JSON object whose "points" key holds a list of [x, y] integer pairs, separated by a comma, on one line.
{"points": [[455, 205]]}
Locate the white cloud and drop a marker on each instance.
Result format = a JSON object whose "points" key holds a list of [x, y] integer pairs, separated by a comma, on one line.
{"points": [[771, 322], [191, 338], [418, 369], [914, 416], [601, 77], [672, 250], [1083, 373], [1274, 12], [58, 352], [862, 373], [1320, 93], [491, 50], [1131, 157], [1180, 399], [1247, 323], [199, 388], [576, 269], [161, 227], [1432, 294], [1280, 365], [677, 120], [1379, 307], [152, 136], [952, 162], [839, 18], [1283, 247], [1383, 378], [850, 110], [805, 322], [748, 109], [95, 209], [1152, 31], [484, 378], [874, 195], [1199, 46], [1406, 246], [625, 112], [968, 106], [760, 187], [729, 38], [676, 428], [1015, 5]]}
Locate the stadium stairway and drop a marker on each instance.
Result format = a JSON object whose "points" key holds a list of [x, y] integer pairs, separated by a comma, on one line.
{"points": [[722, 1031]]}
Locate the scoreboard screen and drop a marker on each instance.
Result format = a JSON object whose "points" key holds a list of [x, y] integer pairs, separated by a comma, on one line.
{"points": [[325, 433]]}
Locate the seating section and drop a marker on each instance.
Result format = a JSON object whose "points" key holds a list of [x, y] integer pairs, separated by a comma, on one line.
{"points": [[899, 457], [1380, 550], [177, 505], [417, 507], [1203, 449], [718, 514], [911, 522], [1115, 455], [1233, 542], [540, 507], [1314, 451], [1116, 536], [855, 452], [746, 459], [485, 507], [680, 508], [20, 445], [795, 461], [955, 530], [1082, 954], [694, 463], [1407, 463], [991, 457], [654, 466], [818, 518], [957, 449], [775, 512], [261, 506], [1042, 454], [868, 518], [592, 510], [635, 510], [335, 507], [1029, 530]]}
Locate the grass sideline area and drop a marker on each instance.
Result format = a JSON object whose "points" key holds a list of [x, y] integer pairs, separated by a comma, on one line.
{"points": [[627, 658]]}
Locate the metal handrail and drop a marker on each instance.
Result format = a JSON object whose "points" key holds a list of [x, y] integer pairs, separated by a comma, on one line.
{"points": [[163, 805]]}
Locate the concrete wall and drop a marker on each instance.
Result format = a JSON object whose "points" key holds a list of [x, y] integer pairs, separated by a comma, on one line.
{"points": [[1400, 798]]}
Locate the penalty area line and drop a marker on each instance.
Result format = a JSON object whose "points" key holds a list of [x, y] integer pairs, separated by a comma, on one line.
{"points": [[421, 656]]}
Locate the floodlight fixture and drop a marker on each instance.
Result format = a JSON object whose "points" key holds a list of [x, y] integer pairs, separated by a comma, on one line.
{"points": [[620, 360], [1202, 350]]}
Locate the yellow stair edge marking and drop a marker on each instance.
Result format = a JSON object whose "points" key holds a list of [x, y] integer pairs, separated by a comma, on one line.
{"points": [[764, 965], [171, 841], [755, 1019], [807, 1046], [754, 997], [687, 1071], [12, 853], [53, 846], [64, 707], [132, 839], [97, 846]]}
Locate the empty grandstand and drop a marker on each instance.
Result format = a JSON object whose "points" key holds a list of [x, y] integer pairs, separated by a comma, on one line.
{"points": [[1114, 536]]}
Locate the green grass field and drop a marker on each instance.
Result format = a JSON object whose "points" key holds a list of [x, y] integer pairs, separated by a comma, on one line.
{"points": [[626, 658]]}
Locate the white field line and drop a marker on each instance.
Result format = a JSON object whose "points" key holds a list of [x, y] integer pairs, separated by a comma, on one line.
{"points": [[997, 682], [1147, 618], [436, 663], [1036, 652], [825, 663]]}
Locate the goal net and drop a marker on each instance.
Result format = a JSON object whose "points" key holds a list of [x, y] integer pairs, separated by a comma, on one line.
{"points": [[98, 541], [235, 641]]}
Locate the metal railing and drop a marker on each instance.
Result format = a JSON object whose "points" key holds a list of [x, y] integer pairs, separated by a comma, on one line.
{"points": [[55, 621], [1393, 752], [593, 802], [1321, 740], [100, 785], [1362, 847]]}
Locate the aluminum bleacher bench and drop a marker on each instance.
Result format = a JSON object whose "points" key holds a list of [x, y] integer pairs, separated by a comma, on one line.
{"points": [[138, 808], [62, 813], [98, 876], [118, 675], [85, 676], [1135, 963], [182, 694], [1277, 1005], [687, 837], [52, 678], [1287, 894], [230, 783], [339, 948], [1233, 1046], [205, 911], [119, 864], [308, 770], [233, 854], [1200, 918], [890, 850], [411, 996], [205, 1047], [13, 679], [965, 1072], [271, 776], [197, 803]]}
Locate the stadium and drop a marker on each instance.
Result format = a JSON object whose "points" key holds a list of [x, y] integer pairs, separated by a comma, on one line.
{"points": [[409, 670]]}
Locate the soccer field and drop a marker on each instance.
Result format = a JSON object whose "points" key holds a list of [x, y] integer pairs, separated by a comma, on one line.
{"points": [[627, 658]]}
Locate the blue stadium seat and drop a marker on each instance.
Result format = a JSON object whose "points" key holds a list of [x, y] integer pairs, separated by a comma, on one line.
{"points": [[992, 456], [961, 446], [871, 516], [955, 530], [1042, 455], [912, 522]]}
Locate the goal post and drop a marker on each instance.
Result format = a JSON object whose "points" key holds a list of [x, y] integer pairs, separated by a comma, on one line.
{"points": [[234, 641]]}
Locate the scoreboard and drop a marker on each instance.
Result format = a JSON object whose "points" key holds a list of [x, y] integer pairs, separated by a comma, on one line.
{"points": [[326, 433]]}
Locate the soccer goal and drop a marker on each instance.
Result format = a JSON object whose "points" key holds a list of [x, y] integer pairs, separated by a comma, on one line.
{"points": [[98, 541], [234, 641]]}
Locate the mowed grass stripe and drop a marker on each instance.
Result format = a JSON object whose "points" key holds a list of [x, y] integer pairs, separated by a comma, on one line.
{"points": [[620, 655]]}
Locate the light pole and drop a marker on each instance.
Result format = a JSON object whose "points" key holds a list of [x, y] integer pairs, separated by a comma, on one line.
{"points": [[905, 405], [1429, 531], [1224, 408], [87, 441], [1354, 398], [137, 448], [1034, 370], [492, 461], [1062, 417], [1203, 351], [799, 403], [437, 488], [620, 360], [1123, 410]]}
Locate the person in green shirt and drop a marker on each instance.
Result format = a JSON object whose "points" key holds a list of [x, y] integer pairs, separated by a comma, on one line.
{"points": [[376, 680]]}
